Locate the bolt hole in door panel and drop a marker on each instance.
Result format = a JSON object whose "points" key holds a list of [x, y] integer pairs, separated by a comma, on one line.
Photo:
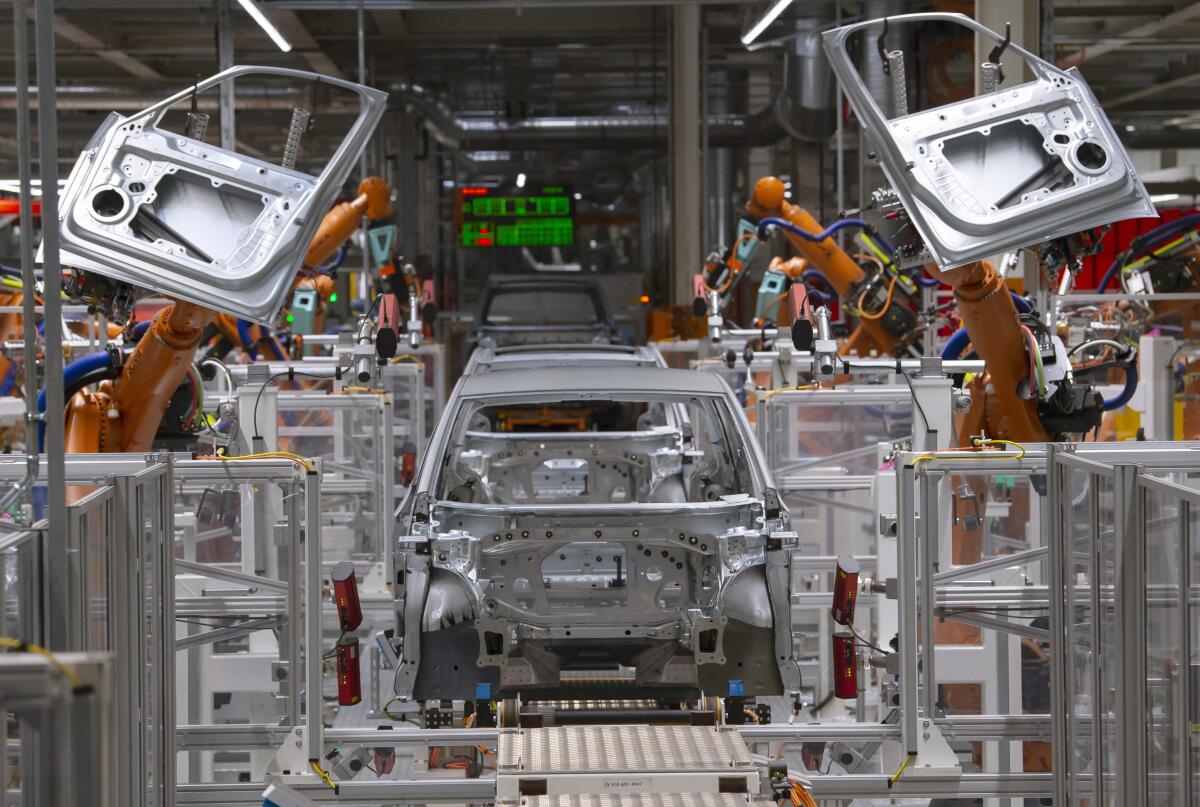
{"points": [[1014, 167], [181, 217]]}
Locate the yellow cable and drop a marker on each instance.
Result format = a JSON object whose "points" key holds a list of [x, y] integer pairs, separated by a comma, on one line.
{"points": [[371, 390], [1157, 253], [879, 253], [25, 647], [316, 766], [771, 393], [977, 443], [265, 455], [903, 765]]}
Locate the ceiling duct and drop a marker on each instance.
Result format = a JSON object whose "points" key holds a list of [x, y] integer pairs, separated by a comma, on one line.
{"points": [[625, 131], [805, 103]]}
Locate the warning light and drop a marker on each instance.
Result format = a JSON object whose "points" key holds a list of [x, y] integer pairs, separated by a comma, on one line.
{"points": [[333, 297], [290, 319], [473, 191], [645, 298], [484, 242]]}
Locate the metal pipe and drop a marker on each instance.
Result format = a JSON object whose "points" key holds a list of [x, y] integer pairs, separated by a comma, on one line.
{"points": [[56, 503], [220, 367], [455, 131], [28, 278], [804, 105], [312, 611]]}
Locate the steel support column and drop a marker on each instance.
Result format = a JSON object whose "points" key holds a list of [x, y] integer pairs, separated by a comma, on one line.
{"points": [[55, 444], [1131, 781], [686, 168]]}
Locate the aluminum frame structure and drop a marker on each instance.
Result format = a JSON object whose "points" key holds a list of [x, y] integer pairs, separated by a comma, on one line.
{"points": [[1115, 569], [286, 599], [55, 721], [114, 603]]}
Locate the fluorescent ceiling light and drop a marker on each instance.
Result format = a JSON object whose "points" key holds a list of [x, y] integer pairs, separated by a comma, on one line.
{"points": [[520, 180], [578, 197], [1164, 197], [765, 21], [265, 24], [14, 186]]}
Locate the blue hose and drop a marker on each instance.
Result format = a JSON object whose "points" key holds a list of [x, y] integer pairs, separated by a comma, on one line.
{"points": [[958, 342], [139, 330], [1023, 305], [928, 282], [807, 276], [243, 329], [1126, 394], [72, 373], [766, 224]]}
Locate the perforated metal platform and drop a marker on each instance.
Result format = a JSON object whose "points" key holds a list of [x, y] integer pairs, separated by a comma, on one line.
{"points": [[624, 759]]}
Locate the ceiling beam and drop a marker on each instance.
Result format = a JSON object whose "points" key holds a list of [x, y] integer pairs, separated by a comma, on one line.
{"points": [[1149, 29], [77, 36], [289, 24], [1152, 89]]}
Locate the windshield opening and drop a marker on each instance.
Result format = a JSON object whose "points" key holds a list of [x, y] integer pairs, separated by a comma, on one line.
{"points": [[542, 307], [625, 450]]}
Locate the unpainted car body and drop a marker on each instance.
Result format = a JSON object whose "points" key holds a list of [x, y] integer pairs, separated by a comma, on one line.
{"points": [[593, 532]]}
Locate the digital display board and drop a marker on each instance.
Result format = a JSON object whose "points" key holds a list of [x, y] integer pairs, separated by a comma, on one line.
{"points": [[487, 220]]}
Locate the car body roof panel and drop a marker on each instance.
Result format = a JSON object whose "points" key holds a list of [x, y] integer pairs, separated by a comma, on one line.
{"points": [[658, 380]]}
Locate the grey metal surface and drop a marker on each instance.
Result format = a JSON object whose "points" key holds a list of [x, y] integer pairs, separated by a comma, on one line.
{"points": [[1015, 167], [150, 207], [626, 748], [529, 357]]}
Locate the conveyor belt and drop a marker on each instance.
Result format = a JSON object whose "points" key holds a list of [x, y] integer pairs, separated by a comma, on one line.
{"points": [[575, 760]]}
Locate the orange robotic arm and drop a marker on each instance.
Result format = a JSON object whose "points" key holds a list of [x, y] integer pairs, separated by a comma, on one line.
{"points": [[126, 416], [991, 321], [827, 257], [373, 201]]}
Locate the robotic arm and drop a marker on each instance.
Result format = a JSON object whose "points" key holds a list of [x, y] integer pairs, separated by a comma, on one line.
{"points": [[990, 317], [126, 412]]}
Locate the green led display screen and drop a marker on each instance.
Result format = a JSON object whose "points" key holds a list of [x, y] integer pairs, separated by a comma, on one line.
{"points": [[546, 220]]}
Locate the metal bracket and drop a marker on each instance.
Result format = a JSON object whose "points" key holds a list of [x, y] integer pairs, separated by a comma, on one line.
{"points": [[291, 758], [935, 759]]}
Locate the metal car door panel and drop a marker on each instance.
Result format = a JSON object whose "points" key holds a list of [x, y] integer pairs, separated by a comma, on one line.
{"points": [[1006, 169], [189, 220]]}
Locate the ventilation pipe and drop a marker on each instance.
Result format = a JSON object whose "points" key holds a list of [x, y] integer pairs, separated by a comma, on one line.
{"points": [[804, 106], [456, 131]]}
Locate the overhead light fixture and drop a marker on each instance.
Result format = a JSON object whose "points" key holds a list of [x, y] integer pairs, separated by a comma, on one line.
{"points": [[265, 24], [765, 21], [1164, 197], [35, 186], [578, 197], [520, 180]]}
